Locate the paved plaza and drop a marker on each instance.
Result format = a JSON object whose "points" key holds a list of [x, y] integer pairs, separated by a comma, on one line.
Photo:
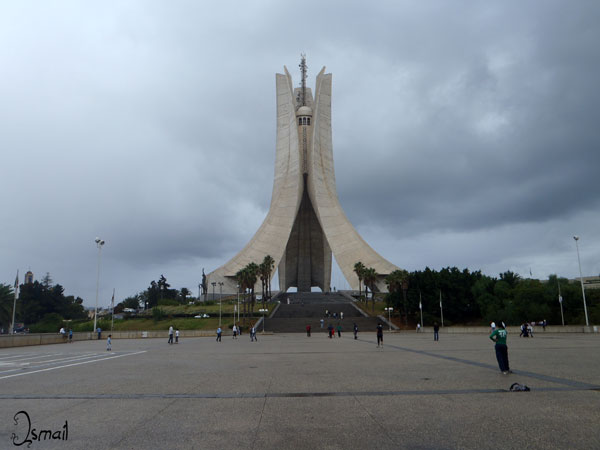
{"points": [[289, 391]]}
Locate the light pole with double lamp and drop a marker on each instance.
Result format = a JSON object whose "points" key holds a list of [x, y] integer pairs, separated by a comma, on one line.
{"points": [[389, 310], [587, 323], [263, 311], [99, 243]]}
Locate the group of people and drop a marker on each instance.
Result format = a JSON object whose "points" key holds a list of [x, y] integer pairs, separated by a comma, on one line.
{"points": [[170, 341], [63, 333], [334, 315], [237, 331]]}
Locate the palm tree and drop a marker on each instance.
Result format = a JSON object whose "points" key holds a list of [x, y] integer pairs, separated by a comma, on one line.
{"points": [[262, 272], [396, 281], [370, 278], [359, 269], [269, 262], [252, 277], [242, 279]]}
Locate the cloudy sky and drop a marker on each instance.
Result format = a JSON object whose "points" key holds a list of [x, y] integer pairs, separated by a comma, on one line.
{"points": [[466, 133]]}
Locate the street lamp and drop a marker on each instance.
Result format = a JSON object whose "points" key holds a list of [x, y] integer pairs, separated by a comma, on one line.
{"points": [[220, 297], [587, 323], [389, 310], [263, 311], [99, 243], [238, 308]]}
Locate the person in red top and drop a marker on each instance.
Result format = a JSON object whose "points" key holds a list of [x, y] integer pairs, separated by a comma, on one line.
{"points": [[308, 330]]}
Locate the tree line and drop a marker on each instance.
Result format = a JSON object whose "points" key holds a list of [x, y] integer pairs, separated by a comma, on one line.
{"points": [[471, 297], [41, 305]]}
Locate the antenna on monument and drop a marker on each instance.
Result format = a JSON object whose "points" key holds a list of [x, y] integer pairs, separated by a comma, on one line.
{"points": [[303, 69]]}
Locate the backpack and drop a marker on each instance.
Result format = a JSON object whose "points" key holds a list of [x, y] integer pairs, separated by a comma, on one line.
{"points": [[516, 387]]}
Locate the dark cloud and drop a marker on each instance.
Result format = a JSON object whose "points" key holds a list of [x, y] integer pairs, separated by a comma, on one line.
{"points": [[464, 133]]}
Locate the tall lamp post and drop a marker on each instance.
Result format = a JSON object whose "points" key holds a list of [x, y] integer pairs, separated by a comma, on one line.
{"points": [[263, 311], [587, 323], [238, 308], [220, 297], [389, 310], [99, 243]]}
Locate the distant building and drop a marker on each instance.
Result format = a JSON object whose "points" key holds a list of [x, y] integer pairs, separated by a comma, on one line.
{"points": [[29, 277], [588, 282]]}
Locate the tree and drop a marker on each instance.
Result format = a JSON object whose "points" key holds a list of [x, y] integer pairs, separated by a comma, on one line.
{"points": [[395, 282], [359, 269], [269, 262], [370, 279], [252, 277], [7, 297], [184, 293]]}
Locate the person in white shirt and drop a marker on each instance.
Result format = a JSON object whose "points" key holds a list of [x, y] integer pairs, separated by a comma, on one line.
{"points": [[177, 336], [170, 341]]}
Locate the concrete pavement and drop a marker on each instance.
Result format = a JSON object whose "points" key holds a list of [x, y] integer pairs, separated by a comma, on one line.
{"points": [[290, 391]]}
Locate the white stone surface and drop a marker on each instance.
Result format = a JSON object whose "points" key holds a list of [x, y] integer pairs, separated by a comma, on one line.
{"points": [[305, 149]]}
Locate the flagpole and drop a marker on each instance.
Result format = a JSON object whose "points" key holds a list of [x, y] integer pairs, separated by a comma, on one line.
{"points": [[112, 310], [421, 308], [560, 301], [441, 309], [12, 327]]}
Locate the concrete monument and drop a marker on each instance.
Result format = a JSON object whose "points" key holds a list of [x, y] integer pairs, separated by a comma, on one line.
{"points": [[305, 222]]}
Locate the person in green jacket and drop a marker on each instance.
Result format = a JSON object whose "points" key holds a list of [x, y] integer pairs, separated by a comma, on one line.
{"points": [[499, 337]]}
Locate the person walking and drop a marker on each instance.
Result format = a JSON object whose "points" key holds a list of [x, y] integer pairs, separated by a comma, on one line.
{"points": [[379, 335], [170, 341], [493, 326], [109, 343], [219, 332], [308, 330], [234, 329], [418, 328], [177, 336], [330, 330], [253, 334], [339, 330], [436, 332], [70, 336], [322, 322], [499, 337], [342, 315], [99, 330], [355, 328]]}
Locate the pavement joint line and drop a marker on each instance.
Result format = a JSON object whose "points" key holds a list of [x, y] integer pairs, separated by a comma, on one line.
{"points": [[70, 365], [539, 376], [267, 395]]}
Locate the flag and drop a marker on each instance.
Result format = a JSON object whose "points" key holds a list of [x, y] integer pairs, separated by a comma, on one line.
{"points": [[17, 281], [530, 274], [112, 302]]}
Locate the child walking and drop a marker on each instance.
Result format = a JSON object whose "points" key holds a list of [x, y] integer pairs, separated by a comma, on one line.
{"points": [[109, 343]]}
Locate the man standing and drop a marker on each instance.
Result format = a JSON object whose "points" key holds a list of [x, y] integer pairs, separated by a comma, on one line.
{"points": [[253, 334], [436, 332], [499, 337], [308, 330], [219, 331], [379, 335], [355, 331], [170, 341], [99, 330], [339, 330]]}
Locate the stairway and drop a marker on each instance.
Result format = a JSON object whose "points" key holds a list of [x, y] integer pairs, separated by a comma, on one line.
{"points": [[309, 308]]}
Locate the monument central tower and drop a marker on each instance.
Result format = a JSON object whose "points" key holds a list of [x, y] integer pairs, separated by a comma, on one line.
{"points": [[305, 223]]}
